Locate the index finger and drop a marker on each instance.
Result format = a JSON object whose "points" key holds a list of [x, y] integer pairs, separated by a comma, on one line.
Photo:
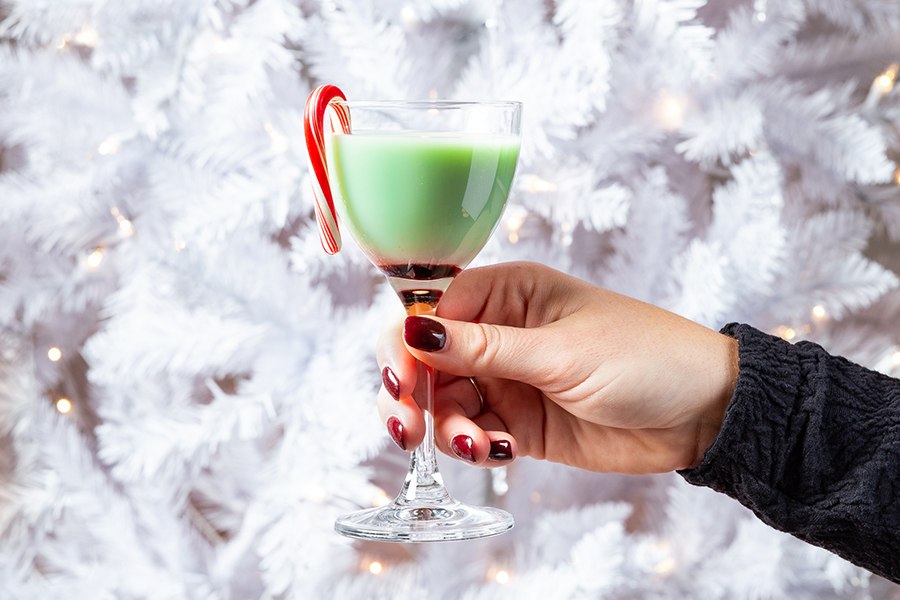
{"points": [[396, 364]]}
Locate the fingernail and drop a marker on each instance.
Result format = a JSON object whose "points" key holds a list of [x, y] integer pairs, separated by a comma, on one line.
{"points": [[424, 334], [391, 383], [462, 447], [500, 450], [395, 428]]}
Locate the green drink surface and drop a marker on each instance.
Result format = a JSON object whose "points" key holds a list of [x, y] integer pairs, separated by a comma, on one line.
{"points": [[421, 198]]}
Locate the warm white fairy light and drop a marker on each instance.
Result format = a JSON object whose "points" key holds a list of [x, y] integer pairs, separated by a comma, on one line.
{"points": [[64, 405], [109, 146], [818, 312], [408, 15], [94, 259], [897, 176], [535, 497], [126, 227], [54, 354], [498, 574], [786, 333], [566, 227], [87, 36], [534, 183], [381, 498], [376, 568], [317, 493], [515, 218], [759, 10], [665, 567], [64, 42], [279, 140], [670, 109], [885, 82], [895, 358]]}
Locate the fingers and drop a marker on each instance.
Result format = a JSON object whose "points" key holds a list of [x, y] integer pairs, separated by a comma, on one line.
{"points": [[403, 419], [397, 366], [481, 349], [477, 440]]}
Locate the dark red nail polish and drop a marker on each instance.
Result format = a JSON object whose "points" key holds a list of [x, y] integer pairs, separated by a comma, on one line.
{"points": [[391, 383], [424, 334], [463, 447], [500, 450], [395, 428]]}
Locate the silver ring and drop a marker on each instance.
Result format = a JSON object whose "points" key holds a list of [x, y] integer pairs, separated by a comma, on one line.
{"points": [[481, 400]]}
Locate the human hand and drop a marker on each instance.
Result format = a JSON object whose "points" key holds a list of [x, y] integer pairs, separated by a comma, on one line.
{"points": [[570, 373]]}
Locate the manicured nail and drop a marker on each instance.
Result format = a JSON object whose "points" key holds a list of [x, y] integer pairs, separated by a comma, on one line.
{"points": [[395, 428], [391, 383], [500, 450], [424, 334], [462, 446]]}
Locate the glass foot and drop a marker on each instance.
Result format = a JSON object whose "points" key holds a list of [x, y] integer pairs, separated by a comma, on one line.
{"points": [[402, 521]]}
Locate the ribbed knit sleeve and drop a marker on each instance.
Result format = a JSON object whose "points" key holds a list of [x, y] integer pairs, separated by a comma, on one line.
{"points": [[811, 444]]}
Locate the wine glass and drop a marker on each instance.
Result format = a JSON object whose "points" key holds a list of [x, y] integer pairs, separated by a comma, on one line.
{"points": [[421, 186]]}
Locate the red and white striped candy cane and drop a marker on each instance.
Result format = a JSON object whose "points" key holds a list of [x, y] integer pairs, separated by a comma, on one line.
{"points": [[318, 103]]}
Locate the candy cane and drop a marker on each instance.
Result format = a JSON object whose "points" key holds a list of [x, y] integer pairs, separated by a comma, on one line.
{"points": [[319, 101]]}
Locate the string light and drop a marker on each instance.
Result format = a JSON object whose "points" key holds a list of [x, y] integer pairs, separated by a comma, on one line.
{"points": [[498, 575], [819, 312], [896, 358], [375, 567], [759, 10], [64, 405], [54, 354], [515, 218], [381, 498], [126, 227], [884, 83], [64, 42], [897, 176], [566, 227], [87, 36], [94, 259], [533, 183], [408, 15], [279, 141], [786, 333], [670, 110], [665, 567], [316, 494], [109, 146]]}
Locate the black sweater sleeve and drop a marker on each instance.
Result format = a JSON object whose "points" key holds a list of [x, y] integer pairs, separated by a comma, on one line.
{"points": [[811, 444]]}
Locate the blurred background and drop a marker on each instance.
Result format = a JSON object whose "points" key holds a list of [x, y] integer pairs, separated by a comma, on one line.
{"points": [[187, 381]]}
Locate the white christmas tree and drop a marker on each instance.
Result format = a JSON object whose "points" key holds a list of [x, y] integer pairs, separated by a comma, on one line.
{"points": [[187, 381]]}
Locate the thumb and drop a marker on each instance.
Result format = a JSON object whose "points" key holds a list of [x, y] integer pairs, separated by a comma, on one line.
{"points": [[477, 349]]}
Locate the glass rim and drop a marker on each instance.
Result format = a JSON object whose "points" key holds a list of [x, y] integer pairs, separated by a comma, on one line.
{"points": [[428, 104]]}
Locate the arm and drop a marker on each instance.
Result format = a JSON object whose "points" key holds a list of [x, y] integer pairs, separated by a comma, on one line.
{"points": [[811, 444]]}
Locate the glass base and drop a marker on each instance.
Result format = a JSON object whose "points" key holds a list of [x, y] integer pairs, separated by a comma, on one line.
{"points": [[403, 521]]}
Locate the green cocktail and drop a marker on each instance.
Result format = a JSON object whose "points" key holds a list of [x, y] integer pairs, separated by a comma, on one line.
{"points": [[421, 186], [421, 199]]}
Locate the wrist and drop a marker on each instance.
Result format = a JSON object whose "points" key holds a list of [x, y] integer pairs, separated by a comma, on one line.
{"points": [[722, 390]]}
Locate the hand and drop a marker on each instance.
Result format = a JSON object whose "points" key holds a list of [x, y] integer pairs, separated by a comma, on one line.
{"points": [[570, 373]]}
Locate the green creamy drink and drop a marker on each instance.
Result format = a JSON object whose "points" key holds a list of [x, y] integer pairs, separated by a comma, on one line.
{"points": [[421, 205]]}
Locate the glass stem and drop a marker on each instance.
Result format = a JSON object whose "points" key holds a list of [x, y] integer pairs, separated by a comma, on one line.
{"points": [[424, 460], [424, 482]]}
